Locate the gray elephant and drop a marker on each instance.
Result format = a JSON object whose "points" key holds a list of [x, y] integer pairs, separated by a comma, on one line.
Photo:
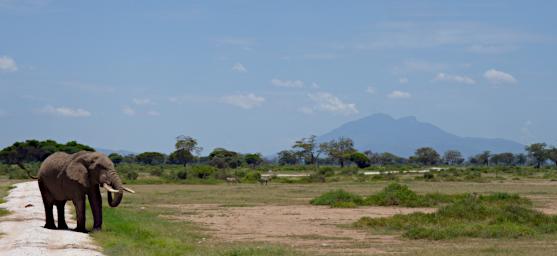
{"points": [[64, 177]]}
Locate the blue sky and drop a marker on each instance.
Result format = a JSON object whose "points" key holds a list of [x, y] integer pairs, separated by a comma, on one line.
{"points": [[253, 76]]}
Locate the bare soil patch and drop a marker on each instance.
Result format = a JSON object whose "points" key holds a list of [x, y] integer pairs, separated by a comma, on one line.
{"points": [[315, 228]]}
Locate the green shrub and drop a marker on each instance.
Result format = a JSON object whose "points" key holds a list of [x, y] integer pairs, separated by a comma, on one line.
{"points": [[131, 175], [240, 173], [326, 171], [428, 176], [498, 215], [202, 171], [397, 194], [338, 198], [182, 174], [252, 176], [157, 171]]}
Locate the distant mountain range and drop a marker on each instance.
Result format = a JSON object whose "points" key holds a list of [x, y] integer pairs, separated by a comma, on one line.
{"points": [[382, 133], [110, 151]]}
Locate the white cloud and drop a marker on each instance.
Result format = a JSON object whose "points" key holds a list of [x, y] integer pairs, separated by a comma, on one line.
{"points": [[314, 85], [399, 95], [7, 64], [238, 67], [65, 111], [499, 77], [153, 113], [245, 101], [328, 102], [145, 101], [128, 111], [403, 80], [288, 83], [370, 90], [454, 78]]}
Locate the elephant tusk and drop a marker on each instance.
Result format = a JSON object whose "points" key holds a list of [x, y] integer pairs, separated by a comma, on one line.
{"points": [[128, 190], [110, 189]]}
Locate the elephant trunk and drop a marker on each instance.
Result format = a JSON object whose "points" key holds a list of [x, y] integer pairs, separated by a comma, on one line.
{"points": [[116, 183]]}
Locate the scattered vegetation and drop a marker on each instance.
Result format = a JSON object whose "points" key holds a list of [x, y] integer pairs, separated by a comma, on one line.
{"points": [[394, 194], [338, 198], [497, 215], [4, 189]]}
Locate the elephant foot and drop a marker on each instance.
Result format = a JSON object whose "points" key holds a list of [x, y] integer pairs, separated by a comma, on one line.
{"points": [[63, 227], [49, 226], [81, 230], [96, 229]]}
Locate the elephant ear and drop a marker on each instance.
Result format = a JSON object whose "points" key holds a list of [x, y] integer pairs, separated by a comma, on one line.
{"points": [[77, 170]]}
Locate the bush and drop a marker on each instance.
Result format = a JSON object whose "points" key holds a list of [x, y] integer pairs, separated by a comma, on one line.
{"points": [[360, 159], [397, 194], [157, 171], [429, 176], [202, 171], [326, 171], [131, 175], [338, 198], [182, 174], [252, 176], [498, 215]]}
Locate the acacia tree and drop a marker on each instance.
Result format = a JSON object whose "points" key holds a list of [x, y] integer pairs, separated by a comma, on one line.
{"points": [[339, 150], [483, 158], [453, 157], [538, 152], [307, 149], [186, 147], [426, 156], [116, 158], [253, 160], [287, 157], [503, 159]]}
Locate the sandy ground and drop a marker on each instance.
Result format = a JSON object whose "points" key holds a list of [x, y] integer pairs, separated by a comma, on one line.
{"points": [[23, 234], [314, 228]]}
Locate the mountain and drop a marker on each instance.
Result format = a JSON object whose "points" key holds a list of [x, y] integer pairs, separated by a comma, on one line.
{"points": [[382, 133], [110, 151]]}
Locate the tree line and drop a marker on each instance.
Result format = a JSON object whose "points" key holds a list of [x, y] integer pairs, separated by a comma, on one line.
{"points": [[306, 151], [341, 151]]}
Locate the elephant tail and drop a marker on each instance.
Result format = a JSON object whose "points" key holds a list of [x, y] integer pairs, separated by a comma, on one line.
{"points": [[20, 164]]}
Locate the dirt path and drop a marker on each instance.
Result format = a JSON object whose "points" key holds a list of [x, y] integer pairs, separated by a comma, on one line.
{"points": [[312, 228], [23, 234]]}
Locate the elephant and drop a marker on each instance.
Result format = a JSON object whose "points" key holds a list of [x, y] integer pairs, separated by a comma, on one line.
{"points": [[70, 177]]}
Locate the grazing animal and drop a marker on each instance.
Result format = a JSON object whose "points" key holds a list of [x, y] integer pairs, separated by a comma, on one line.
{"points": [[71, 177], [265, 179], [232, 180]]}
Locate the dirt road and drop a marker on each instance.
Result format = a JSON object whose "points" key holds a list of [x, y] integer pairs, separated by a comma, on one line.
{"points": [[21, 232]]}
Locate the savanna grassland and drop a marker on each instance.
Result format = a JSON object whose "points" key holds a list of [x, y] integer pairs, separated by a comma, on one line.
{"points": [[253, 219], [204, 215]]}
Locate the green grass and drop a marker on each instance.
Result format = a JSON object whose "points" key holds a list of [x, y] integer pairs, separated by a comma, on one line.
{"points": [[135, 232], [498, 215], [4, 189], [338, 198], [393, 194]]}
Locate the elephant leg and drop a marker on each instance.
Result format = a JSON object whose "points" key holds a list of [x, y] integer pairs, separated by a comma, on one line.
{"points": [[61, 218], [48, 205], [95, 201], [79, 204]]}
